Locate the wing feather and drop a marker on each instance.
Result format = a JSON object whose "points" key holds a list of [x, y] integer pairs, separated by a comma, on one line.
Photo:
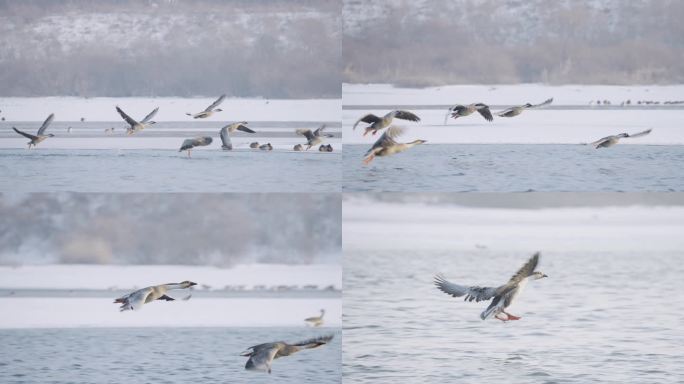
{"points": [[26, 135], [526, 270], [215, 103], [124, 116], [369, 118], [471, 293], [644, 133], [406, 115], [45, 124], [150, 115]]}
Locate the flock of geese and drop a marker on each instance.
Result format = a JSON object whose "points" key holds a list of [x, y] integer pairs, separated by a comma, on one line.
{"points": [[313, 138], [261, 356], [388, 145]]}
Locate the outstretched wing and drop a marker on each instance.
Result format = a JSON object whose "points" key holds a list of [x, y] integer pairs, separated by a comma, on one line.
{"points": [[261, 359], [151, 115], [128, 119], [369, 118], [406, 115], [545, 103], [242, 127], [484, 111], [319, 131], [306, 133], [315, 342], [135, 300], [526, 270], [601, 141], [471, 293], [388, 138], [215, 103], [188, 144], [225, 138], [505, 112], [644, 133], [26, 135], [45, 124]]}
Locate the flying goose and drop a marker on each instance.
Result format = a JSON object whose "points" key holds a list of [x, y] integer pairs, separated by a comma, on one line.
{"points": [[609, 141], [199, 141], [261, 356], [466, 110], [230, 128], [210, 109], [134, 125], [515, 111], [135, 300], [316, 321], [503, 296], [315, 137], [39, 136], [378, 123], [386, 145]]}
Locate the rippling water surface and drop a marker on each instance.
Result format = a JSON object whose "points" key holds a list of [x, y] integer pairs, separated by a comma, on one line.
{"points": [[517, 168], [167, 355], [598, 318]]}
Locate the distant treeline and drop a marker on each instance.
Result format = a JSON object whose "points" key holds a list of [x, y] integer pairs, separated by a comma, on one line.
{"points": [[511, 41], [273, 48], [194, 229]]}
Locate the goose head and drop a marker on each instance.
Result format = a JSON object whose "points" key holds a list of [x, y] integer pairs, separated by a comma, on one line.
{"points": [[218, 110], [187, 284], [538, 275], [623, 135], [416, 142]]}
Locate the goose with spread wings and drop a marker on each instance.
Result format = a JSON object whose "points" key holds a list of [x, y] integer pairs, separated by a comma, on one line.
{"points": [[210, 109], [466, 110], [378, 123], [609, 141], [315, 137], [135, 300], [515, 111], [199, 141], [230, 128], [502, 297], [261, 356], [387, 145], [40, 135], [136, 126]]}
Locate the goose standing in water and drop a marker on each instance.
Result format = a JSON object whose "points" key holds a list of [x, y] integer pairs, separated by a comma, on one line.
{"points": [[503, 296], [135, 300], [261, 356], [134, 125], [199, 141], [210, 109], [230, 128], [515, 111], [316, 321], [40, 135], [378, 123], [609, 141], [315, 137], [466, 110], [386, 145]]}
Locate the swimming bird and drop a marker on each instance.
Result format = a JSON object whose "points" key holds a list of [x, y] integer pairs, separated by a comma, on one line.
{"points": [[503, 296], [199, 141], [261, 356], [386, 145], [40, 135], [210, 109], [298, 147], [315, 137], [266, 147], [134, 125], [230, 128], [378, 123], [515, 111], [135, 300], [325, 148], [316, 321], [466, 110], [609, 141], [254, 145]]}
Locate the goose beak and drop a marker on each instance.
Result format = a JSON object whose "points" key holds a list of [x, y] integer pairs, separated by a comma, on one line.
{"points": [[192, 284], [544, 275]]}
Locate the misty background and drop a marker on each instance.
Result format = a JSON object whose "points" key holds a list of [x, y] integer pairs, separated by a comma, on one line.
{"points": [[122, 48], [436, 42], [189, 229]]}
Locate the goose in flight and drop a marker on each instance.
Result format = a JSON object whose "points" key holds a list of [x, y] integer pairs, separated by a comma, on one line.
{"points": [[40, 135], [316, 321], [315, 137], [135, 300], [466, 110], [387, 145], [261, 356], [378, 123], [503, 296], [609, 141], [210, 109], [515, 111], [230, 128], [199, 141], [134, 125]]}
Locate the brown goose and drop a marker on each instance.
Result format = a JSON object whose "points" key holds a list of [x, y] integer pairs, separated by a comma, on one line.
{"points": [[189, 144], [378, 123], [210, 109], [466, 110], [261, 356], [386, 145], [135, 300], [515, 111], [315, 137], [40, 135], [134, 125], [230, 128]]}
